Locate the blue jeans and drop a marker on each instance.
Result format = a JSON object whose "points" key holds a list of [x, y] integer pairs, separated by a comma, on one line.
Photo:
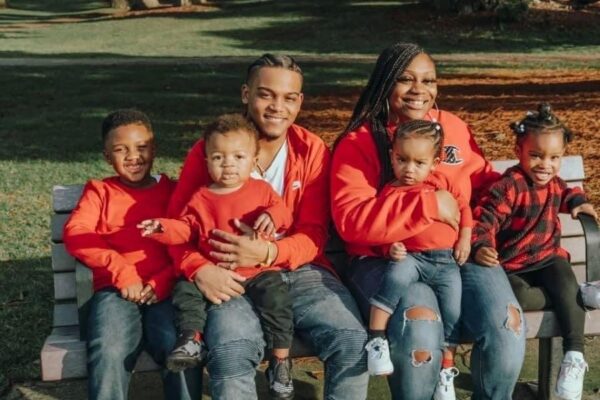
{"points": [[498, 348], [118, 330], [325, 316], [436, 268], [497, 353]]}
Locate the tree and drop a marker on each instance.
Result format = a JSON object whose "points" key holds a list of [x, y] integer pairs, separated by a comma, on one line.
{"points": [[3, 3]]}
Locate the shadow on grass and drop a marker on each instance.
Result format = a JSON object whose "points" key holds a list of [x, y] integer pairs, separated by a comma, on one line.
{"points": [[58, 6], [26, 314]]}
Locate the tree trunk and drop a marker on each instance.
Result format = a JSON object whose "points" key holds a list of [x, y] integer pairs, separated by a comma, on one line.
{"points": [[3, 3]]}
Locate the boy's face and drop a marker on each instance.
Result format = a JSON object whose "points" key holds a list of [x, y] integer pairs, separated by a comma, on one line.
{"points": [[540, 155], [413, 158], [273, 98], [230, 158], [130, 150]]}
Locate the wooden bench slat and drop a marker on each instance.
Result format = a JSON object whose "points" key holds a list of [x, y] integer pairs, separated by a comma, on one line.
{"points": [[544, 324], [65, 314], [57, 222], [64, 286], [65, 197], [62, 261], [570, 226], [576, 248]]}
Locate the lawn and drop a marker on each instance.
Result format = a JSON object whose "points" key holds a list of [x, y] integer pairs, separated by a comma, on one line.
{"points": [[50, 116]]}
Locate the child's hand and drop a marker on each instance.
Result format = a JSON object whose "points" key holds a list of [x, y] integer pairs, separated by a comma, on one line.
{"points": [[148, 296], [133, 292], [150, 226], [264, 225], [585, 208], [462, 249], [397, 251], [487, 256]]}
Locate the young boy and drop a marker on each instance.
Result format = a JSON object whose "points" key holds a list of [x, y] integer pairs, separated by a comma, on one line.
{"points": [[231, 153], [518, 227], [132, 276]]}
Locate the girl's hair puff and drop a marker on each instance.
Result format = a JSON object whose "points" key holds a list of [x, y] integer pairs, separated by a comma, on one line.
{"points": [[372, 105], [422, 129], [536, 122]]}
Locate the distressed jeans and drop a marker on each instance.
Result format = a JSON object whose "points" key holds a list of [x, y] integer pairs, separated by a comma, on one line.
{"points": [[436, 268], [497, 353], [118, 330], [325, 316]]}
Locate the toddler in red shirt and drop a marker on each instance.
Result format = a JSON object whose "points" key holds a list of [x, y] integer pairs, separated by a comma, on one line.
{"points": [[234, 202]]}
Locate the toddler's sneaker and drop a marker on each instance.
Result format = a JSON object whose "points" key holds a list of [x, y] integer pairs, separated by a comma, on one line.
{"points": [[444, 389], [189, 351], [279, 376], [378, 357], [569, 385]]}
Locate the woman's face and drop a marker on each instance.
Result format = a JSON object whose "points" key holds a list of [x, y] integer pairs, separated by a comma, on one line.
{"points": [[415, 90]]}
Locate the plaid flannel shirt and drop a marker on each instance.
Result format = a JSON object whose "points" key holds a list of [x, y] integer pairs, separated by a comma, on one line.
{"points": [[520, 219]]}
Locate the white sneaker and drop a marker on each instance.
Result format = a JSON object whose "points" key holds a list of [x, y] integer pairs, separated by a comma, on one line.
{"points": [[569, 385], [444, 389], [378, 357]]}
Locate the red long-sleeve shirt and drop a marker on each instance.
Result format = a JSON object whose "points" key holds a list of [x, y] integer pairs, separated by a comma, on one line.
{"points": [[207, 210], [101, 232], [437, 235], [520, 219], [305, 193], [365, 217]]}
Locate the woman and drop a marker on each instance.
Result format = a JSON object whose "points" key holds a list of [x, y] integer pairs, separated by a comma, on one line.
{"points": [[403, 87]]}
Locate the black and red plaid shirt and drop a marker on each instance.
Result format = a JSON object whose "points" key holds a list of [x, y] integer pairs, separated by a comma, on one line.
{"points": [[520, 219]]}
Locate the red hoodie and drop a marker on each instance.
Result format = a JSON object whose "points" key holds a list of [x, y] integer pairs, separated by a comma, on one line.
{"points": [[102, 233], [305, 193], [364, 217]]}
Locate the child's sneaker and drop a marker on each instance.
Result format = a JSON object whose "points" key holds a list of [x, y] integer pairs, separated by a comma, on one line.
{"points": [[444, 389], [189, 351], [378, 357], [279, 376], [569, 385]]}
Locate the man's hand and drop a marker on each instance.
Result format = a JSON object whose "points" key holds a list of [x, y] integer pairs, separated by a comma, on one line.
{"points": [[234, 250], [398, 251], [487, 256], [585, 208], [133, 292], [218, 284], [448, 212]]}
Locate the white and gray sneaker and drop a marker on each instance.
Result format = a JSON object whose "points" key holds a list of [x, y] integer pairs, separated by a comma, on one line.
{"points": [[279, 376], [378, 357], [569, 385], [444, 389], [189, 352]]}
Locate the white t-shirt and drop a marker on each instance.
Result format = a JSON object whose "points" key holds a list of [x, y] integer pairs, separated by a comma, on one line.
{"points": [[276, 171]]}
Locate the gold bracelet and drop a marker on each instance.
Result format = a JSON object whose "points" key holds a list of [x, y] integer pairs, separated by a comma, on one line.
{"points": [[269, 258]]}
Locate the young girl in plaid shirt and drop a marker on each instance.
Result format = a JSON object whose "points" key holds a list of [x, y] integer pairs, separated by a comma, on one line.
{"points": [[517, 226]]}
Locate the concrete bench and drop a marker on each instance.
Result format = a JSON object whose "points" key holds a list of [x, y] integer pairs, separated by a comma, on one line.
{"points": [[64, 356]]}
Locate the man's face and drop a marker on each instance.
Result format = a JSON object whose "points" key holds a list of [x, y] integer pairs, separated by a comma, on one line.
{"points": [[273, 98]]}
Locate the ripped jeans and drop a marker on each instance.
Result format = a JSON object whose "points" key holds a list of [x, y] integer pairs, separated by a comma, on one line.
{"points": [[416, 344]]}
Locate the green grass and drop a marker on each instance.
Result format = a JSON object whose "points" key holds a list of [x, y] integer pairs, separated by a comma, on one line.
{"points": [[235, 28]]}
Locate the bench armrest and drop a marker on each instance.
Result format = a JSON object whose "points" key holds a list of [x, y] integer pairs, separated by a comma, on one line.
{"points": [[592, 246]]}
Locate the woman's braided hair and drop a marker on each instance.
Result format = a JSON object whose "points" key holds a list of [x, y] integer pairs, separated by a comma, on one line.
{"points": [[540, 121], [373, 107]]}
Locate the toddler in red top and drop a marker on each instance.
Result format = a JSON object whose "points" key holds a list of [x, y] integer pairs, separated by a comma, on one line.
{"points": [[235, 203], [518, 227], [132, 275], [430, 255]]}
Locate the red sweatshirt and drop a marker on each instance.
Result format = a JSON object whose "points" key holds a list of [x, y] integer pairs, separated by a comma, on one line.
{"points": [[207, 210], [364, 217], [305, 193], [437, 235], [101, 232]]}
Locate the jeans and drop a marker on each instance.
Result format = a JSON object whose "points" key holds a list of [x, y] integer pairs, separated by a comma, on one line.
{"points": [[488, 310], [436, 268], [486, 296], [325, 316], [118, 330]]}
